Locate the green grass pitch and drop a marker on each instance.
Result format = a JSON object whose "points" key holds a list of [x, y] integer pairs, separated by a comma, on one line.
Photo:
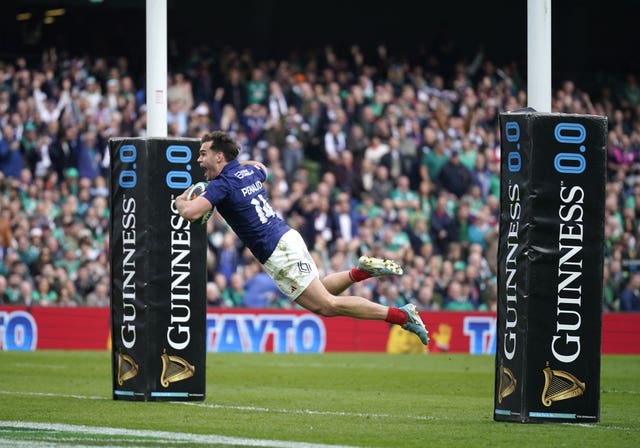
{"points": [[58, 398]]}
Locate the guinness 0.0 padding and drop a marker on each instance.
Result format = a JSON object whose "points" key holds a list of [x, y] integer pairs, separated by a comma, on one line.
{"points": [[158, 273], [550, 263]]}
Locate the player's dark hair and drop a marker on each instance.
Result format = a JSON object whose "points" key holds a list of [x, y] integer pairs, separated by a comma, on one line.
{"points": [[222, 142]]}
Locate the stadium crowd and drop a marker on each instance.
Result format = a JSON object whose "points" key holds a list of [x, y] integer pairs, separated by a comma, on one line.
{"points": [[368, 154]]}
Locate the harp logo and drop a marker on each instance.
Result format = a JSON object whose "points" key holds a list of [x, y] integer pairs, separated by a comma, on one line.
{"points": [[127, 368], [174, 369], [507, 384], [560, 385]]}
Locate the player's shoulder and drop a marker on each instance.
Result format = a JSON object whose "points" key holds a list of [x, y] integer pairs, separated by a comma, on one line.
{"points": [[246, 172], [262, 169]]}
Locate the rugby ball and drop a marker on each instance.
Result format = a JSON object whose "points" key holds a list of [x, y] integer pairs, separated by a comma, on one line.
{"points": [[196, 190], [193, 192]]}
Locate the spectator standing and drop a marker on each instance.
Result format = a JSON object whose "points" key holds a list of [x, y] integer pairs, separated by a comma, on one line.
{"points": [[345, 224], [253, 121], [292, 156], [89, 156], [177, 117], [233, 294], [480, 228], [426, 298], [403, 197], [29, 145], [64, 151], [24, 295], [257, 88], [40, 161], [481, 175], [235, 91], [630, 295], [440, 225], [357, 142], [11, 157], [228, 257], [461, 224], [335, 142], [347, 178], [4, 297], [376, 149], [433, 160], [277, 102], [398, 164], [180, 89], [213, 295], [260, 289], [610, 301], [382, 185], [454, 176], [44, 294], [92, 93], [456, 300]]}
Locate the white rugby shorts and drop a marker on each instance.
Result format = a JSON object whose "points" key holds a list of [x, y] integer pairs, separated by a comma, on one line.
{"points": [[291, 266]]}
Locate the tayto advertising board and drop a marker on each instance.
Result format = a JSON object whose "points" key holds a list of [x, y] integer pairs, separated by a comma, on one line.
{"points": [[258, 330]]}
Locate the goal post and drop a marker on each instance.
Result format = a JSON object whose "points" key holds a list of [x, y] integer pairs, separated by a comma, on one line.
{"points": [[550, 267], [158, 273]]}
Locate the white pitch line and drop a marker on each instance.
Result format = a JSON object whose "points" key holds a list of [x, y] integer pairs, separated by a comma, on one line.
{"points": [[40, 444], [205, 439], [48, 394], [66, 443], [307, 411], [618, 391], [39, 366], [602, 426], [242, 408]]}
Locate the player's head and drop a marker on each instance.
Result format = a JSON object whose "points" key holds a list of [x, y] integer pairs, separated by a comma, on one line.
{"points": [[222, 142], [217, 149]]}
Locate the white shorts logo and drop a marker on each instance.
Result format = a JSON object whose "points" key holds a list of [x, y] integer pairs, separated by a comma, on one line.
{"points": [[305, 268]]}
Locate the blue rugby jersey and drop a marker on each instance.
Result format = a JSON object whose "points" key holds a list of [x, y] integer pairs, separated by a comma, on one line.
{"points": [[241, 199]]}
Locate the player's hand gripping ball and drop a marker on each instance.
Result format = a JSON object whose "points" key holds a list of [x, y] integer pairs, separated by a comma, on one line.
{"points": [[193, 192]]}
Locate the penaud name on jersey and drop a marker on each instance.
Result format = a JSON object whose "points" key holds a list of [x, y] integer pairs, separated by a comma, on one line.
{"points": [[240, 197]]}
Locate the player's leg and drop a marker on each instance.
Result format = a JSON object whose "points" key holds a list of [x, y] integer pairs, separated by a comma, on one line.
{"points": [[317, 299], [367, 267], [294, 271]]}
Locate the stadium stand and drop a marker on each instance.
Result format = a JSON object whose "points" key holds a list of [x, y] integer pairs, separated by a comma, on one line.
{"points": [[368, 154]]}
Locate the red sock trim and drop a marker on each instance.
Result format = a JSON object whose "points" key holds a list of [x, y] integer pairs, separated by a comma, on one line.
{"points": [[357, 275], [396, 316]]}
